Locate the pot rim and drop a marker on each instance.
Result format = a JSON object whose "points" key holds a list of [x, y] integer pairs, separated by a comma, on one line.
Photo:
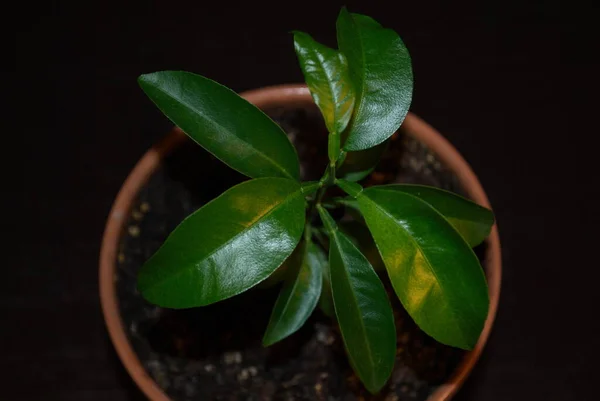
{"points": [[265, 97]]}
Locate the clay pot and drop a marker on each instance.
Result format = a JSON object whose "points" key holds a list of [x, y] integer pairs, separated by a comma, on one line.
{"points": [[286, 95]]}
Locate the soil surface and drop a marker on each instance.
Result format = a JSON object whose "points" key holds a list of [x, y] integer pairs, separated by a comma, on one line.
{"points": [[215, 352]]}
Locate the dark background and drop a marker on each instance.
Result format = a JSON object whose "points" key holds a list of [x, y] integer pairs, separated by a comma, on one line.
{"points": [[512, 84]]}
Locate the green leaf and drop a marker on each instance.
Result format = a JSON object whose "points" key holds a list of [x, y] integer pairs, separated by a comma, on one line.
{"points": [[229, 245], [326, 75], [472, 221], [299, 295], [358, 165], [363, 310], [280, 274], [351, 188], [381, 74], [434, 272], [222, 122]]}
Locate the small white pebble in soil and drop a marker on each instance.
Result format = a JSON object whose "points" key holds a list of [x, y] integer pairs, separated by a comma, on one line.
{"points": [[243, 375], [209, 368], [134, 231], [325, 338], [253, 371], [145, 207], [232, 357], [324, 375]]}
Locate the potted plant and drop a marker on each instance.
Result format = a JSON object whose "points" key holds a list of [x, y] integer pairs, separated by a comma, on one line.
{"points": [[348, 250]]}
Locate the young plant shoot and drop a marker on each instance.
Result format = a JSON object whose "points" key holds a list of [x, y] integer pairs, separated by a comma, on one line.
{"points": [[423, 235]]}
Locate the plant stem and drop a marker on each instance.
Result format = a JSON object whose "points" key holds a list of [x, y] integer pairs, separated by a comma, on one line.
{"points": [[320, 235], [307, 232], [326, 181]]}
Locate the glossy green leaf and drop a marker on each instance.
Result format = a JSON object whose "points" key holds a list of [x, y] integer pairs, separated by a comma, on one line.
{"points": [[472, 221], [222, 122], [229, 245], [326, 75], [381, 74], [299, 295], [351, 188], [363, 310], [434, 272], [358, 165], [280, 274]]}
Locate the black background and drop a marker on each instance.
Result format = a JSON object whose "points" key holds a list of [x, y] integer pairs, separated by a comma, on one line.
{"points": [[512, 84]]}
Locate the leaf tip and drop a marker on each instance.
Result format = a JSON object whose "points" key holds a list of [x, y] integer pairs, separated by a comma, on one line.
{"points": [[144, 80], [374, 388], [376, 382], [469, 347], [268, 340], [141, 80], [343, 15]]}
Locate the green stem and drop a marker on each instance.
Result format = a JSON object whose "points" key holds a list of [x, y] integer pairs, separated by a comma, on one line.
{"points": [[326, 181], [320, 235], [307, 232], [333, 146]]}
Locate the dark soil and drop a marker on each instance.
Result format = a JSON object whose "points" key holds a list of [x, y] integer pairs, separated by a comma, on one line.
{"points": [[215, 352]]}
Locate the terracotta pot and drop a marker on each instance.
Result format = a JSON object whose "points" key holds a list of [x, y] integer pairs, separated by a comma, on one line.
{"points": [[286, 95]]}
